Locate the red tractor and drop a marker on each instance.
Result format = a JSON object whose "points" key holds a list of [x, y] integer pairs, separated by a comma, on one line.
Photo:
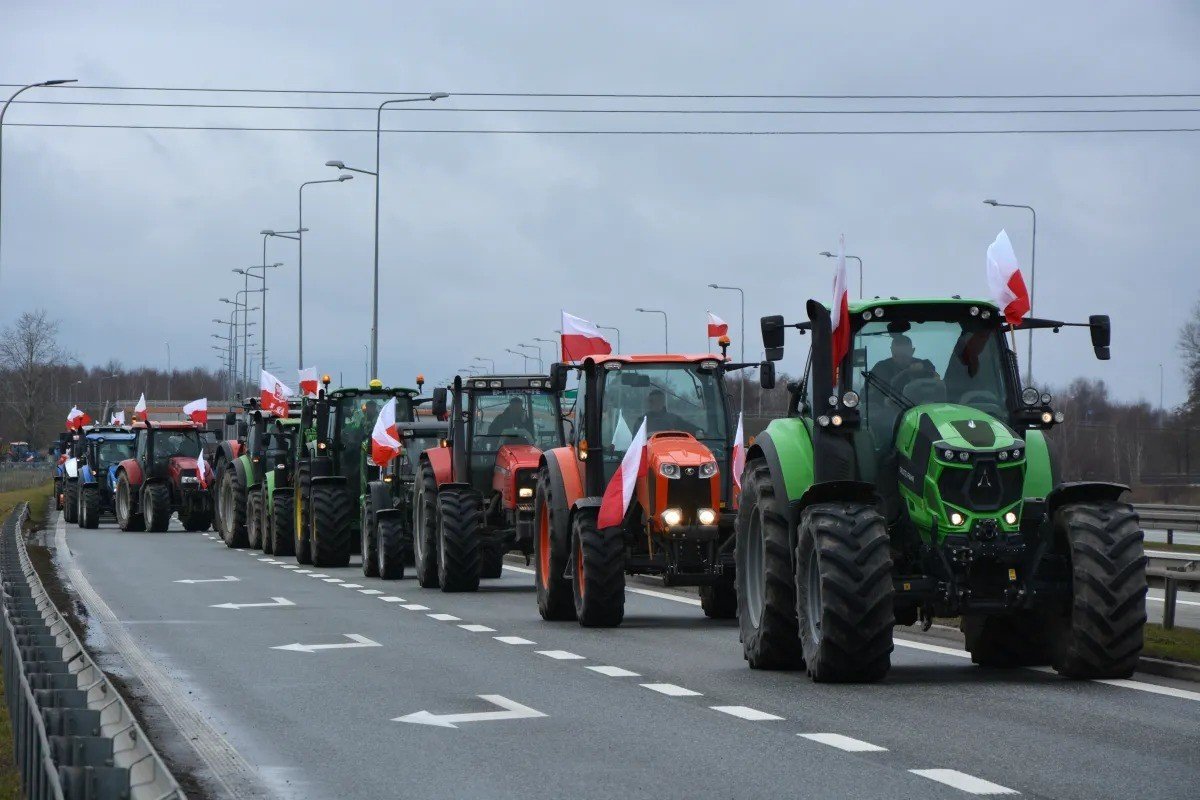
{"points": [[473, 498], [162, 479]]}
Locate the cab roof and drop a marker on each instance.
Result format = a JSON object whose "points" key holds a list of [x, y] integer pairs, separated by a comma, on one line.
{"points": [[167, 426], [858, 306], [111, 436], [651, 358]]}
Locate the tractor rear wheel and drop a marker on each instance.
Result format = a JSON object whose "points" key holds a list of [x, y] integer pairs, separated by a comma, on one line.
{"points": [[766, 592], [301, 523], [719, 600], [425, 525], [369, 544], [71, 501], [330, 533], [89, 506], [156, 504], [844, 592], [598, 577], [282, 516], [231, 493], [491, 560], [1100, 635], [127, 518], [458, 558], [551, 551], [391, 546], [253, 528]]}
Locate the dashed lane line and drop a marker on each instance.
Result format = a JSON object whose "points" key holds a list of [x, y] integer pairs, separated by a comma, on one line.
{"points": [[333, 580], [745, 712], [352, 586], [961, 780], [513, 640], [369, 591], [444, 617], [670, 689], [850, 745], [391, 598], [560, 655], [415, 607], [473, 628], [318, 575], [614, 672]]}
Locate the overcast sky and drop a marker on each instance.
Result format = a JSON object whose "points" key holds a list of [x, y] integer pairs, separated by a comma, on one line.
{"points": [[130, 235]]}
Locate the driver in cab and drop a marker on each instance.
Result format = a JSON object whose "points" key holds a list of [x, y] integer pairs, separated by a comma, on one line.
{"points": [[511, 417], [903, 367], [658, 418]]}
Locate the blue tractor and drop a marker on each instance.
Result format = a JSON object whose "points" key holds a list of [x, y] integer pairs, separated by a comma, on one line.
{"points": [[103, 449]]}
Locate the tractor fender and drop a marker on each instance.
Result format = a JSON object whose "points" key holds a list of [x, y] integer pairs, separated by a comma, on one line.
{"points": [[132, 469], [391, 513], [787, 449], [86, 475], [439, 461], [381, 496], [564, 475], [1083, 491], [1040, 473]]}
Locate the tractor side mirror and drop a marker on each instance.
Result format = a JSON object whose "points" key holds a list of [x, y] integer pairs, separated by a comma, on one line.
{"points": [[558, 377], [766, 375], [1101, 328], [438, 406], [231, 418], [772, 336]]}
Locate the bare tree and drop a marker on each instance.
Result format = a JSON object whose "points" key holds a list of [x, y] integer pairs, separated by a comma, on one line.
{"points": [[1189, 350], [29, 355]]}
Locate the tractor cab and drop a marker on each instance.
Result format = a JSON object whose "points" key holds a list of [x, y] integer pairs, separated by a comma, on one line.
{"points": [[104, 448], [162, 478]]}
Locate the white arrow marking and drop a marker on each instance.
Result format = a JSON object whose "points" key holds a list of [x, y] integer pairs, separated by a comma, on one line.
{"points": [[277, 602], [226, 579], [513, 710], [356, 640]]}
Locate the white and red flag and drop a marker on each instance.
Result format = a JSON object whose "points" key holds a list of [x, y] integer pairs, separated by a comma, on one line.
{"points": [[619, 491], [139, 411], [273, 395], [202, 470], [309, 382], [581, 339], [839, 317], [738, 459], [76, 419], [717, 327], [385, 439], [1005, 280], [118, 418], [197, 411]]}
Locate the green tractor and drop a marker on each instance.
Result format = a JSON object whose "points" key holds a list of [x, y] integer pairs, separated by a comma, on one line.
{"points": [[328, 482], [270, 445], [914, 480]]}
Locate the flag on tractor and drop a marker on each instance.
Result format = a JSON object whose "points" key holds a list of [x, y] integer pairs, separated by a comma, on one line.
{"points": [[197, 411], [139, 411], [619, 491], [840, 311], [1005, 280], [76, 419], [202, 470], [118, 418], [273, 395], [581, 339], [385, 439], [717, 327], [738, 459], [308, 382]]}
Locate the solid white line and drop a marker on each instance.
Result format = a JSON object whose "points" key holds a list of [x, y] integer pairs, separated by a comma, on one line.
{"points": [[477, 628], [648, 592], [1178, 600], [932, 648], [745, 712], [351, 585], [843, 742], [560, 655], [416, 607], [444, 617], [961, 780], [522, 570], [392, 599], [669, 689], [614, 672], [369, 591], [513, 640]]}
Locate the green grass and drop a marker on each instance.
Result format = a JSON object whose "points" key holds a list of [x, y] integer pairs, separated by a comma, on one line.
{"points": [[1177, 644], [1173, 548], [37, 497]]}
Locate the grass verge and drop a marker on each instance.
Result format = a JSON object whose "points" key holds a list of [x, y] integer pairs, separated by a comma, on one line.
{"points": [[1177, 644]]}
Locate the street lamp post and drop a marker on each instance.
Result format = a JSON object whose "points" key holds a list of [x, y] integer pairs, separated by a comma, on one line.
{"points": [[541, 368], [828, 254], [666, 330], [4, 111], [617, 331], [169, 371], [231, 340], [1032, 276], [104, 378], [300, 229], [742, 406], [522, 355], [262, 343], [246, 323], [550, 342], [492, 361]]}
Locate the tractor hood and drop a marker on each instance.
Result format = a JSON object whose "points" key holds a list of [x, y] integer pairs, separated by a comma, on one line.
{"points": [[512, 457], [960, 428], [676, 447], [179, 466]]}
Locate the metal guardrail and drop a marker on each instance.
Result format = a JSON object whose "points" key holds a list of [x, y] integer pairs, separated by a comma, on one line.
{"points": [[1169, 518], [74, 737]]}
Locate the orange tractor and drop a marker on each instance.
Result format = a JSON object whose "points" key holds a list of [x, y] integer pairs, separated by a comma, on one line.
{"points": [[680, 521]]}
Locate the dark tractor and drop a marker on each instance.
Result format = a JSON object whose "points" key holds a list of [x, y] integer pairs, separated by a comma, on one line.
{"points": [[473, 500], [69, 480], [269, 499], [161, 479], [387, 513], [104, 448], [60, 452], [912, 479], [328, 479]]}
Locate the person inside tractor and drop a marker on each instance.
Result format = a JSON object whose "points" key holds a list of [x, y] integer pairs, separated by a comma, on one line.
{"points": [[903, 367], [355, 433], [659, 419], [513, 416], [114, 452], [169, 443]]}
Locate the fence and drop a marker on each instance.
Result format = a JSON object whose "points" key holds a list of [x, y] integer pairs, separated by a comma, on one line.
{"points": [[24, 476]]}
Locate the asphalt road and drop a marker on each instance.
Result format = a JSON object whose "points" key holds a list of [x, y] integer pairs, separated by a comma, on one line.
{"points": [[662, 707]]}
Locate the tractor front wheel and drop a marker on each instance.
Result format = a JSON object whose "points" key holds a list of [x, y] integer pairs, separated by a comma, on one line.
{"points": [[1100, 635], [391, 547], [719, 600], [282, 516], [329, 536], [156, 503], [71, 501], [253, 513], [369, 543], [425, 525], [459, 516], [232, 507], [844, 593], [89, 506], [551, 551], [300, 521], [598, 577], [127, 518]]}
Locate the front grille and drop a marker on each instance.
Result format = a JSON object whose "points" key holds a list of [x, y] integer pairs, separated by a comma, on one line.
{"points": [[984, 487], [689, 493]]}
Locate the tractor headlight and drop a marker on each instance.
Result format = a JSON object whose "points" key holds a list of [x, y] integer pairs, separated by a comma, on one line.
{"points": [[850, 399], [1046, 398], [1059, 416], [1010, 517], [525, 492], [948, 454], [836, 420], [956, 519], [672, 517], [1017, 453], [1047, 417], [1003, 455], [708, 469], [320, 445], [668, 470], [706, 516], [963, 455], [823, 421], [1030, 396]]}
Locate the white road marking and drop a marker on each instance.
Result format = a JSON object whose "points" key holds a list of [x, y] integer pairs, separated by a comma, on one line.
{"points": [[843, 742], [369, 591], [264, 560], [669, 689], [560, 655], [356, 640], [444, 617], [391, 598], [289, 566], [512, 710], [1177, 601], [279, 602], [303, 571], [351, 585], [318, 575], [477, 628], [745, 712], [648, 592], [961, 780], [416, 607], [332, 580], [513, 640], [226, 579], [614, 672], [932, 648]]}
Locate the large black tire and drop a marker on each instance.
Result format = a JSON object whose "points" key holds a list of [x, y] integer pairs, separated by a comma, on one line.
{"points": [[460, 514], [231, 506], [71, 501], [123, 502], [425, 527], [844, 592], [719, 600], [332, 528], [196, 520], [491, 560], [264, 526], [368, 536], [1009, 640], [156, 505], [766, 592], [598, 574], [392, 548], [283, 517], [58, 494], [301, 519], [254, 535], [89, 506], [551, 552], [1100, 635]]}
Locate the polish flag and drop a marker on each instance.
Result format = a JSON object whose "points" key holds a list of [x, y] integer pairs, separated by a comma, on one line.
{"points": [[76, 419], [1005, 281], [308, 382], [197, 411], [717, 327], [581, 339], [118, 418], [738, 461], [202, 470], [840, 316], [139, 411], [385, 439], [273, 395], [619, 491]]}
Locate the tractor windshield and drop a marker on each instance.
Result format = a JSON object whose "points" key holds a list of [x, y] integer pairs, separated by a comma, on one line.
{"points": [[503, 416], [355, 419], [112, 452], [169, 443], [670, 397]]}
